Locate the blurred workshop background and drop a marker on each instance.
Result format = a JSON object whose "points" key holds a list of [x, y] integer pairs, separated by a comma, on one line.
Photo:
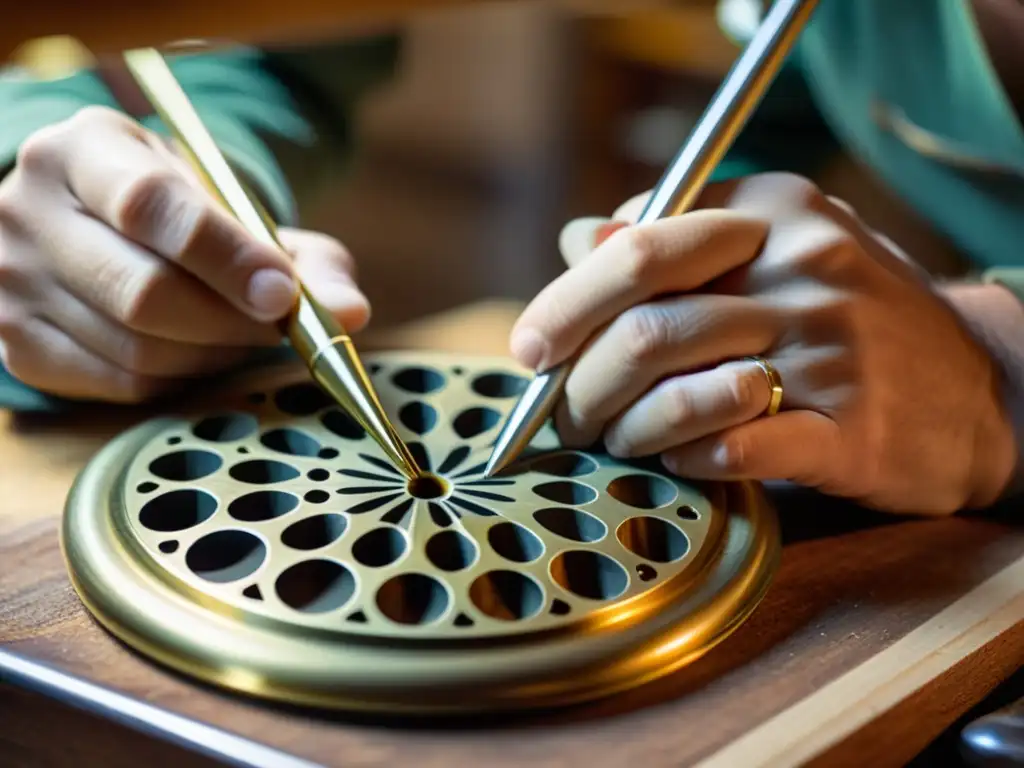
{"points": [[506, 119]]}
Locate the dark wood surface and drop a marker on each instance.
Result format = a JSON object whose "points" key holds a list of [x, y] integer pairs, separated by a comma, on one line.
{"points": [[877, 633]]}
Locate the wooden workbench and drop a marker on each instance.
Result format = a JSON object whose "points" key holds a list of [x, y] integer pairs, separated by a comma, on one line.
{"points": [[877, 634]]}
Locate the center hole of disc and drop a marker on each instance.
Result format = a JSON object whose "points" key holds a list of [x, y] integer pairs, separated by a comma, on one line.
{"points": [[428, 487]]}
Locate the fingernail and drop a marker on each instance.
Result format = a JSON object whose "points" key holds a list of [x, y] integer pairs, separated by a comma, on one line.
{"points": [[608, 229], [721, 455], [529, 348], [271, 293]]}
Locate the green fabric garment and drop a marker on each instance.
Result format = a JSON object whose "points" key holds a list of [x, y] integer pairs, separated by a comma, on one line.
{"points": [[281, 118], [883, 74]]}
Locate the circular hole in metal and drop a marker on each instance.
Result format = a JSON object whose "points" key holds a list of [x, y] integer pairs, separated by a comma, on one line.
{"points": [[263, 472], [314, 532], [652, 539], [316, 496], [225, 428], [567, 464], [290, 441], [566, 492], [642, 491], [177, 510], [168, 547], [375, 368], [418, 417], [343, 425], [243, 449], [686, 512], [507, 595], [421, 381], [301, 399], [412, 598], [146, 487], [185, 466], [646, 572], [475, 421], [226, 556], [318, 475], [451, 551], [458, 371], [262, 505], [173, 440], [592, 575], [380, 547], [571, 524], [328, 453], [427, 486], [499, 385], [316, 586], [514, 542]]}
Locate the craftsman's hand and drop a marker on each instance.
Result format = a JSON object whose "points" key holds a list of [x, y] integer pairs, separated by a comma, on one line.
{"points": [[120, 276], [887, 399]]}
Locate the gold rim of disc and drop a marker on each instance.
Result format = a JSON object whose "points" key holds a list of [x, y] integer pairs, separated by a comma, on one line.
{"points": [[264, 545]]}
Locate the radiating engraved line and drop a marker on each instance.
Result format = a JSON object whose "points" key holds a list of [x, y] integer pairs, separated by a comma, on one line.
{"points": [[358, 489], [372, 504], [399, 514], [471, 506], [380, 464]]}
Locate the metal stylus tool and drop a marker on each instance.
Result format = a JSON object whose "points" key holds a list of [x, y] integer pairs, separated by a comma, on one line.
{"points": [[678, 189], [315, 334]]}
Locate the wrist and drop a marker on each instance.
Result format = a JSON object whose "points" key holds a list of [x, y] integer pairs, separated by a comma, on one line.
{"points": [[995, 318]]}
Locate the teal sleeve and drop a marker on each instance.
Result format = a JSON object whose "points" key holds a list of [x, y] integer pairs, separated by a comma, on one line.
{"points": [[243, 104]]}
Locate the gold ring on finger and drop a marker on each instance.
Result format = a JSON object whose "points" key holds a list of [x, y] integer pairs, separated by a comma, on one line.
{"points": [[774, 381]]}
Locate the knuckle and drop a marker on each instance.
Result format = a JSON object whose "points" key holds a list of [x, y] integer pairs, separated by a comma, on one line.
{"points": [[679, 405], [16, 349], [132, 297], [797, 189], [132, 353], [831, 253], [40, 151], [94, 115], [742, 392], [642, 256], [10, 209], [147, 203], [647, 332]]}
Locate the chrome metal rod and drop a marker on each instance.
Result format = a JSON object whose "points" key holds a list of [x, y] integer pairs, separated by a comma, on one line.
{"points": [[317, 337]]}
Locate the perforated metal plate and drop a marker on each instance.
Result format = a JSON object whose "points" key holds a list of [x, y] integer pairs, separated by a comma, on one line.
{"points": [[269, 547]]}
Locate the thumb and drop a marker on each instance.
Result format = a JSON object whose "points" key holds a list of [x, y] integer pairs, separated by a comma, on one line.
{"points": [[328, 270]]}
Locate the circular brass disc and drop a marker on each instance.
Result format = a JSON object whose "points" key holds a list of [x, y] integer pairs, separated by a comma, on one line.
{"points": [[269, 548]]}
